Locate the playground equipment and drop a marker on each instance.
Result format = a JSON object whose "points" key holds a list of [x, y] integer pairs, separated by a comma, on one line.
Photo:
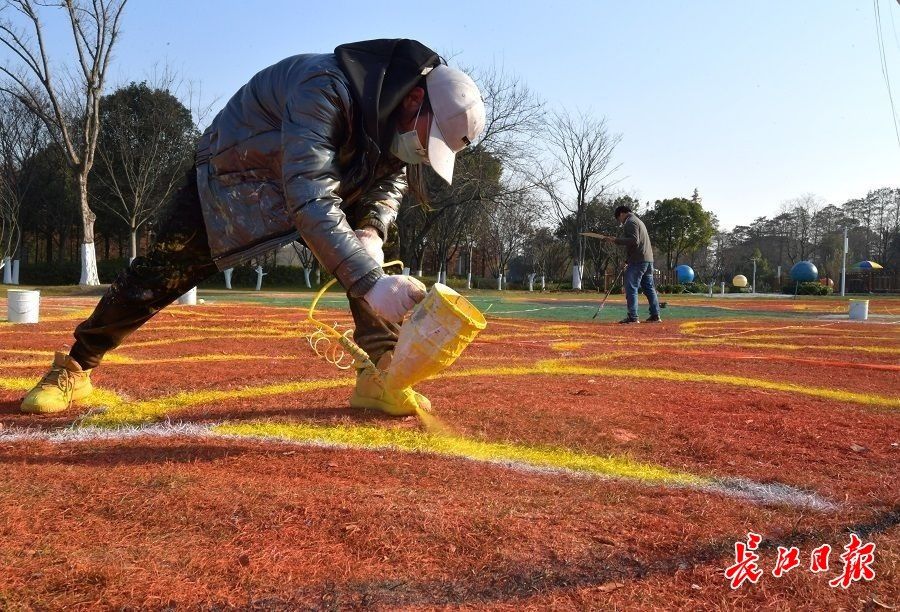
{"points": [[684, 273], [804, 272]]}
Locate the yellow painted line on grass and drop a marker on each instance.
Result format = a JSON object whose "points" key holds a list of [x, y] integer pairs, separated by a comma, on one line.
{"points": [[847, 336], [373, 438], [210, 337], [17, 383], [118, 359], [77, 315], [118, 411], [566, 368], [691, 329], [737, 342], [29, 352], [566, 346], [123, 360], [130, 413], [219, 329], [100, 397]]}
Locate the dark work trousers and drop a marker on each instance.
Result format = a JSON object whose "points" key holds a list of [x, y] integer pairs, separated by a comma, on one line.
{"points": [[179, 260]]}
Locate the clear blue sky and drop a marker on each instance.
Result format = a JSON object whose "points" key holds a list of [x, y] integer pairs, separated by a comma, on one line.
{"points": [[753, 103]]}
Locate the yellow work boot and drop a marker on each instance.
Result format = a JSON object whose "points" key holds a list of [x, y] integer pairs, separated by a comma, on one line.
{"points": [[65, 383], [371, 394]]}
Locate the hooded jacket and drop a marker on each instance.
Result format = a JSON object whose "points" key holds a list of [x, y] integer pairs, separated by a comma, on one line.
{"points": [[301, 151]]}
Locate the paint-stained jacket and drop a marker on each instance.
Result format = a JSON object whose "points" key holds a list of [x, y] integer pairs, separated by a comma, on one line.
{"points": [[293, 153]]}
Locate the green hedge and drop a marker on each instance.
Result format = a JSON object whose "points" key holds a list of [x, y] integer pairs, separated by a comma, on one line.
{"points": [[68, 272], [810, 288], [281, 277]]}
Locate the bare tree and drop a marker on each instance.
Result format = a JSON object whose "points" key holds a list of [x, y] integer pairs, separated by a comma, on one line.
{"points": [[21, 136], [884, 210], [797, 216], [546, 255], [307, 261], [95, 29], [510, 226], [485, 172], [582, 149], [146, 145]]}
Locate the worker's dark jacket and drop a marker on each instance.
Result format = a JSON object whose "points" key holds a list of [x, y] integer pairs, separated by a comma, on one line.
{"points": [[636, 240], [302, 148]]}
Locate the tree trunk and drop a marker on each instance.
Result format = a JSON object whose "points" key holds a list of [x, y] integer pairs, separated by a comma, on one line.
{"points": [[7, 270], [133, 252], [228, 272], [88, 250], [306, 272], [499, 282], [259, 275], [577, 271]]}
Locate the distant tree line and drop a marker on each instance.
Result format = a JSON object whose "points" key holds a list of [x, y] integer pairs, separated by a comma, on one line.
{"points": [[85, 173]]}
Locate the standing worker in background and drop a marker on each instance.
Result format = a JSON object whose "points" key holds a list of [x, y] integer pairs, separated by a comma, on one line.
{"points": [[639, 260], [315, 148]]}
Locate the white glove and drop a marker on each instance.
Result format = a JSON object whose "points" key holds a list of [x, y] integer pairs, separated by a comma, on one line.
{"points": [[372, 242], [391, 297]]}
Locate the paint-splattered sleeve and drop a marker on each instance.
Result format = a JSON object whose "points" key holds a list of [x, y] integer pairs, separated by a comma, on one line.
{"points": [[316, 116], [381, 203]]}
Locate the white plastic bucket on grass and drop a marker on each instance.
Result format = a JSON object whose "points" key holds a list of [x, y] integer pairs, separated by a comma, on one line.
{"points": [[189, 298], [859, 310], [23, 306]]}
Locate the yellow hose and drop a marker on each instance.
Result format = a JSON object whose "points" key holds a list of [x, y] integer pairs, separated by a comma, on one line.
{"points": [[406, 396]]}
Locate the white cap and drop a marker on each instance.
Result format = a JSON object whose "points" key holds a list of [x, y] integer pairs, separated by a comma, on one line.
{"points": [[459, 117]]}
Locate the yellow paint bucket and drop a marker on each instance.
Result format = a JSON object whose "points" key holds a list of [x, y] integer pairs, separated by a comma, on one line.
{"points": [[437, 332]]}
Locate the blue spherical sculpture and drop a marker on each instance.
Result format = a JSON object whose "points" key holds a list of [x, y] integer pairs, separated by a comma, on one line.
{"points": [[684, 273], [804, 272]]}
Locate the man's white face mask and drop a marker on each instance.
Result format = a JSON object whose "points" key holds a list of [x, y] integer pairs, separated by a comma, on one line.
{"points": [[407, 147]]}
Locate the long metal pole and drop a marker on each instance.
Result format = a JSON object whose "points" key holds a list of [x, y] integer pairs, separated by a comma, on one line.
{"points": [[753, 286], [844, 265]]}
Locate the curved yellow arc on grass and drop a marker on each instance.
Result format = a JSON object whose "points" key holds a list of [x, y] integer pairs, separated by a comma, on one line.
{"points": [[207, 338], [373, 438], [738, 342], [120, 412], [566, 346], [119, 359], [17, 383], [565, 368]]}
